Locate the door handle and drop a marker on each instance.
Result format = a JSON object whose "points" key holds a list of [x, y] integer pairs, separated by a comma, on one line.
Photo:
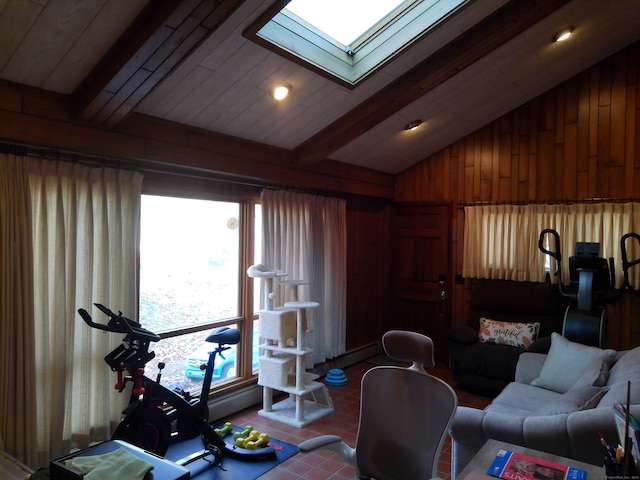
{"points": [[443, 292]]}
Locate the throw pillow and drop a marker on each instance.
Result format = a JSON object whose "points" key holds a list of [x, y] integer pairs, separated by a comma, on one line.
{"points": [[595, 374], [508, 333], [566, 364], [576, 399], [625, 370]]}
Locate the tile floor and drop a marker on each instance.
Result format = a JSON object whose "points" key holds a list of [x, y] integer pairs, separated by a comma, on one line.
{"points": [[325, 465]]}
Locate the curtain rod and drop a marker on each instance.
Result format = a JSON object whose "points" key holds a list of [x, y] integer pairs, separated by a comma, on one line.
{"points": [[120, 163], [144, 166], [67, 156], [483, 203]]}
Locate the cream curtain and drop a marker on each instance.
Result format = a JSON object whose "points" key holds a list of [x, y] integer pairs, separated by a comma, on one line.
{"points": [[85, 230], [18, 378], [501, 241], [305, 235]]}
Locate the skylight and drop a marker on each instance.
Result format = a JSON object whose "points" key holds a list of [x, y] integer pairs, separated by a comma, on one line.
{"points": [[341, 20], [348, 40]]}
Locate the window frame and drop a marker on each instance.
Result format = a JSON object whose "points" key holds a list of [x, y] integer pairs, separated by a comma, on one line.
{"points": [[202, 188]]}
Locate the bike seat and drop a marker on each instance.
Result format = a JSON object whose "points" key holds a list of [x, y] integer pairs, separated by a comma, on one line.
{"points": [[224, 336]]}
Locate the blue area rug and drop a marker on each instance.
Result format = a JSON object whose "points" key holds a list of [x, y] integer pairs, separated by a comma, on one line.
{"points": [[233, 468]]}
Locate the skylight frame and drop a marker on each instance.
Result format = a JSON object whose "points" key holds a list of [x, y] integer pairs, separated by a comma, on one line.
{"points": [[289, 35]]}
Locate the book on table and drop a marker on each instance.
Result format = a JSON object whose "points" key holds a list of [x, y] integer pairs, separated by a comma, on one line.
{"points": [[517, 466]]}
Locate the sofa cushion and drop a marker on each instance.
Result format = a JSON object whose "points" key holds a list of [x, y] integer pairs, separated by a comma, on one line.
{"points": [[569, 362], [576, 399], [626, 369], [515, 334], [522, 399]]}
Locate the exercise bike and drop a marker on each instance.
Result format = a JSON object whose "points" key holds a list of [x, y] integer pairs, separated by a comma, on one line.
{"points": [[157, 416], [591, 287]]}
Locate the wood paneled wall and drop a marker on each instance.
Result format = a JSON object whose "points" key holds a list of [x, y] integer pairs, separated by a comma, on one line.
{"points": [[580, 140], [368, 261]]}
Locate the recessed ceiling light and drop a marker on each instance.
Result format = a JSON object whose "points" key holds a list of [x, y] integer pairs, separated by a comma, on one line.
{"points": [[281, 91], [413, 125], [563, 34]]}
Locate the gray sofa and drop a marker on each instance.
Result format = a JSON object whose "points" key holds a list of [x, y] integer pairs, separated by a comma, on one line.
{"points": [[558, 403]]}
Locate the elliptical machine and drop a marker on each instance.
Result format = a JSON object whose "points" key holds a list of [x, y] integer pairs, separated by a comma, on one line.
{"points": [[157, 416], [591, 287]]}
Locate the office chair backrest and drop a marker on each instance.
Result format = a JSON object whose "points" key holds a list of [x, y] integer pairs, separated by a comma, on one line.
{"points": [[404, 413]]}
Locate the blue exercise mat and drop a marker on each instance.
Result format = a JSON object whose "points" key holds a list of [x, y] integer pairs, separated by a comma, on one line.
{"points": [[233, 468]]}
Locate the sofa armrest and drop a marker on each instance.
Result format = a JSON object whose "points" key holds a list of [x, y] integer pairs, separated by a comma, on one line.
{"points": [[529, 366], [467, 437], [463, 334], [573, 435]]}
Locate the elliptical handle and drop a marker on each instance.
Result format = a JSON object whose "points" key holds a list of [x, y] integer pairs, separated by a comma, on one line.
{"points": [[612, 272], [626, 264], [556, 255]]}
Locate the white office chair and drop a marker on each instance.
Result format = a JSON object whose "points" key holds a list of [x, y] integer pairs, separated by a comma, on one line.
{"points": [[404, 415]]}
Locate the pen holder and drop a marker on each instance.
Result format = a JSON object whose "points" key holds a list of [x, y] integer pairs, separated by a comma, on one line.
{"points": [[612, 469], [616, 471]]}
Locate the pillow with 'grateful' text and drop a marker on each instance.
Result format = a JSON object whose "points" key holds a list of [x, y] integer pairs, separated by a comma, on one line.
{"points": [[514, 334]]}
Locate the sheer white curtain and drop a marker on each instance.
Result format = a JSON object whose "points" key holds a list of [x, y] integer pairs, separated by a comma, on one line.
{"points": [[305, 235], [501, 241], [85, 230]]}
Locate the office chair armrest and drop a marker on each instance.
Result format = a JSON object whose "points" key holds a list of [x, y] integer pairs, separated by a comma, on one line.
{"points": [[329, 442]]}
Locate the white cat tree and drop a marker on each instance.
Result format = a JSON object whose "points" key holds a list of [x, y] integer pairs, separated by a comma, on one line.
{"points": [[284, 332]]}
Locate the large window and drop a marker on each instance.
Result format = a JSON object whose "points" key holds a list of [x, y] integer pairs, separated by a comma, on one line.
{"points": [[193, 257]]}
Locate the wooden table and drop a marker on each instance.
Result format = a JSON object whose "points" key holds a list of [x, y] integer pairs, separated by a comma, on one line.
{"points": [[478, 466]]}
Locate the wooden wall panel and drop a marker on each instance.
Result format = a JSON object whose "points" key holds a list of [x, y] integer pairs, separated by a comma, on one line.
{"points": [[578, 141], [368, 251]]}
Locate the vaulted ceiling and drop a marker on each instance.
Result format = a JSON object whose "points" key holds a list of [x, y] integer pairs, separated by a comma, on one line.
{"points": [[187, 61]]}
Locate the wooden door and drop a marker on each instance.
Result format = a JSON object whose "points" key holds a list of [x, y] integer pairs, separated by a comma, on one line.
{"points": [[421, 273]]}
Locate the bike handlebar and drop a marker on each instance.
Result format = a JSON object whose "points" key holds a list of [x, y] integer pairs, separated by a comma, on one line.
{"points": [[119, 324]]}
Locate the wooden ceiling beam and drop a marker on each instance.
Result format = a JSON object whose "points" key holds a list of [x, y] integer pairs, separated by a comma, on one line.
{"points": [[498, 28], [164, 34]]}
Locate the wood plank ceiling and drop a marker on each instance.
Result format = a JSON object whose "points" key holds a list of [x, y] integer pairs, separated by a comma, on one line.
{"points": [[187, 61]]}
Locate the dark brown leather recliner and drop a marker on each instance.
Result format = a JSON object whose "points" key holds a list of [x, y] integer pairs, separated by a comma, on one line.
{"points": [[486, 368]]}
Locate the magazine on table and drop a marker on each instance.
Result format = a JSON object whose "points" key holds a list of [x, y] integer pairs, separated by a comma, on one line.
{"points": [[517, 466]]}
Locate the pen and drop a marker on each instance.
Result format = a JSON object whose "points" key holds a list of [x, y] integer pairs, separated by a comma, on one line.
{"points": [[619, 453], [606, 448]]}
